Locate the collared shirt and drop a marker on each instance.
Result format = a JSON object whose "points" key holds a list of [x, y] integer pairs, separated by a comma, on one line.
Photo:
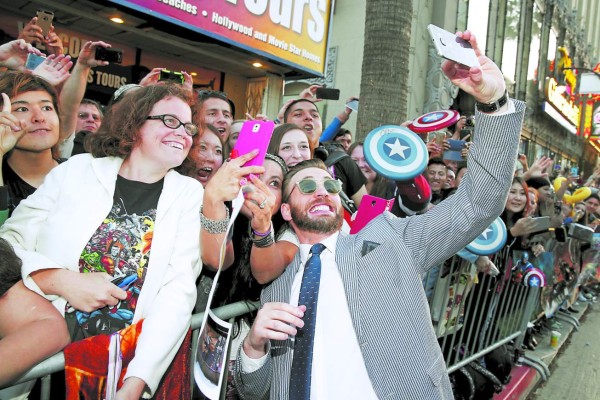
{"points": [[338, 368]]}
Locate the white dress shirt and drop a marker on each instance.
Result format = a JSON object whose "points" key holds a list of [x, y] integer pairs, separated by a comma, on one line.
{"points": [[338, 368]]}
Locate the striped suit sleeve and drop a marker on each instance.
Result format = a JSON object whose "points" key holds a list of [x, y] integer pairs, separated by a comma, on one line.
{"points": [[438, 234]]}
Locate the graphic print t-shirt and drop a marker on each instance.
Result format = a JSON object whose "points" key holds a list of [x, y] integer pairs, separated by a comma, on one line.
{"points": [[121, 248]]}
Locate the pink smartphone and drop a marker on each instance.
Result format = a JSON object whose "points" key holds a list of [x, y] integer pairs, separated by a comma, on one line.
{"points": [[254, 135], [370, 207]]}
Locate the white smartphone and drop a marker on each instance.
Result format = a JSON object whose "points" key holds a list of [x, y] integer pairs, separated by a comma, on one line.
{"points": [[449, 46], [353, 105]]}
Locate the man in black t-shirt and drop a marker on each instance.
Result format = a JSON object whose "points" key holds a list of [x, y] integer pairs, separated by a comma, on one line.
{"points": [[306, 115]]}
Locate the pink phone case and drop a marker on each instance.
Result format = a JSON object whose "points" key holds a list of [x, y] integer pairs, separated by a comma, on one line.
{"points": [[370, 207], [254, 135]]}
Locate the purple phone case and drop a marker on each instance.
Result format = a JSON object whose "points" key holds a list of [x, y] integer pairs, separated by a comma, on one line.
{"points": [[370, 207], [254, 135]]}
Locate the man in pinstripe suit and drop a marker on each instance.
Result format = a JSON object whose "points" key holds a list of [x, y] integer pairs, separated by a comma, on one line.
{"points": [[373, 335]]}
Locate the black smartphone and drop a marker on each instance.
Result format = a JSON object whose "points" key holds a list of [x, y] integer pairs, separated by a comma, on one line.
{"points": [[166, 75], [327, 94], [114, 56]]}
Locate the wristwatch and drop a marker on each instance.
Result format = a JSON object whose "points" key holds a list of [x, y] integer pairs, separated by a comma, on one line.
{"points": [[494, 106]]}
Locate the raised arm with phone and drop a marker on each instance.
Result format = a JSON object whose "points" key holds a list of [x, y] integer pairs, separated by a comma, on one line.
{"points": [[400, 249]]}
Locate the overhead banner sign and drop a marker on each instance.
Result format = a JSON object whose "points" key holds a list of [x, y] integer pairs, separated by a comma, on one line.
{"points": [[293, 32]]}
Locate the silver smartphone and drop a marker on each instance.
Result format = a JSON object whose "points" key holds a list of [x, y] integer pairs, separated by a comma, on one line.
{"points": [[451, 47]]}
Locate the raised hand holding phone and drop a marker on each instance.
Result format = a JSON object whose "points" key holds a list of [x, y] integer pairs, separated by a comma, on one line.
{"points": [[88, 53], [44, 21], [485, 83]]}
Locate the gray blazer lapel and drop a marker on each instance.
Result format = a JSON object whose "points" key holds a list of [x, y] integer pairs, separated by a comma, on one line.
{"points": [[346, 257]]}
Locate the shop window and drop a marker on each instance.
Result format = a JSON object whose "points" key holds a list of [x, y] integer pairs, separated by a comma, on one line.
{"points": [[511, 37]]}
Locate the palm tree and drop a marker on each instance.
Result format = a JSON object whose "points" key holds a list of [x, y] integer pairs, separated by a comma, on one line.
{"points": [[384, 85]]}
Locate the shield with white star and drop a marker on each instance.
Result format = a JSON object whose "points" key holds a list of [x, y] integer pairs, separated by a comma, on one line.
{"points": [[434, 121], [534, 278], [491, 240], [395, 152]]}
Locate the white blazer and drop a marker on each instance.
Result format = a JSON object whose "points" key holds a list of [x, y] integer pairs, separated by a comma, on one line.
{"points": [[51, 227]]}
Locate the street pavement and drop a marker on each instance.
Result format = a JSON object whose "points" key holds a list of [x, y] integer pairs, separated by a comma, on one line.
{"points": [[576, 370]]}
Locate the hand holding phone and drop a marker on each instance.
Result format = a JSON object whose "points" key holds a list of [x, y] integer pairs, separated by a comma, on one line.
{"points": [[254, 135], [451, 47], [44, 21], [114, 56], [166, 75], [370, 207]]}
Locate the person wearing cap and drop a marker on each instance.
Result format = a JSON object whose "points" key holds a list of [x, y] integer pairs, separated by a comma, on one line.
{"points": [[367, 332]]}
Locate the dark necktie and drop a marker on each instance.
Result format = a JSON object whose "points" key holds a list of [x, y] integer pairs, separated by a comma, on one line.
{"points": [[303, 346]]}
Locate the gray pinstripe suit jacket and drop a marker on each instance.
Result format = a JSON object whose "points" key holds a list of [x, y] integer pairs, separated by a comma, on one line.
{"points": [[384, 288]]}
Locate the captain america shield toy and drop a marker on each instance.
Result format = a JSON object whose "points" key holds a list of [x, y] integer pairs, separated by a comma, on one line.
{"points": [[434, 121], [490, 241], [395, 152], [534, 278]]}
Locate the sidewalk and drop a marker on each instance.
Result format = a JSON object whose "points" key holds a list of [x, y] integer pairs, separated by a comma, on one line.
{"points": [[525, 379]]}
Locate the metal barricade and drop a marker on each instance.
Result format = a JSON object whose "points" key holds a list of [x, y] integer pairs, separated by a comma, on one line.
{"points": [[57, 362], [472, 318]]}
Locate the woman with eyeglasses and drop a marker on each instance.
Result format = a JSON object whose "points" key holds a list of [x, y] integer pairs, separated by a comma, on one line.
{"points": [[121, 214]]}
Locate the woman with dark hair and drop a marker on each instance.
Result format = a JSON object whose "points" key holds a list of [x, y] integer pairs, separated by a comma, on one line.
{"points": [[125, 191], [515, 216], [205, 156], [290, 143], [237, 283]]}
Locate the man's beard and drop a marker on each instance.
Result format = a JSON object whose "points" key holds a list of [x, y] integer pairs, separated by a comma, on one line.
{"points": [[329, 224]]}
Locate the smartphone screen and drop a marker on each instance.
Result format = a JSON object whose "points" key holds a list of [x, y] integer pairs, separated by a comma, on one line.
{"points": [[254, 135], [574, 171], [353, 105], [541, 224], [114, 56], [370, 207], [33, 60], [450, 47], [327, 94], [166, 75]]}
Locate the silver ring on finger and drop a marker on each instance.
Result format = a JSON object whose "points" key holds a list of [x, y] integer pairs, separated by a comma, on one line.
{"points": [[262, 205]]}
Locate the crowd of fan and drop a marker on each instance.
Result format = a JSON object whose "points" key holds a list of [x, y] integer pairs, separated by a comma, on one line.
{"points": [[46, 120]]}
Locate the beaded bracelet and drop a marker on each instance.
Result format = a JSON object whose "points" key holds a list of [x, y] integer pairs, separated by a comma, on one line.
{"points": [[264, 241], [212, 226]]}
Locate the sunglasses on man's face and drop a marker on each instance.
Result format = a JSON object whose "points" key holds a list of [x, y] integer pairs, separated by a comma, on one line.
{"points": [[309, 186]]}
